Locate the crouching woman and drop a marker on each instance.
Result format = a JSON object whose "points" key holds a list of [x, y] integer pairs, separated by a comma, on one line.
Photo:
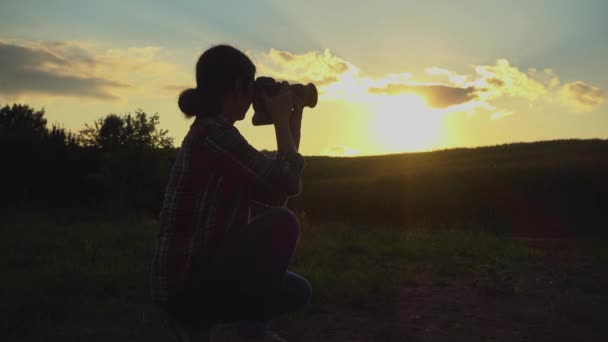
{"points": [[215, 264]]}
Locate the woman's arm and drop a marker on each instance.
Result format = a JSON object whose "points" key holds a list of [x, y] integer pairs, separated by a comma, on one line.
{"points": [[271, 179], [268, 196], [235, 157], [287, 131]]}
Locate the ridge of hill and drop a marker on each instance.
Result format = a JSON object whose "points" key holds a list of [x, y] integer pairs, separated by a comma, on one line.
{"points": [[544, 188]]}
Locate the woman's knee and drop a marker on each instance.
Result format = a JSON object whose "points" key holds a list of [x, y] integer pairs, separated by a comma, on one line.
{"points": [[285, 221], [306, 293], [300, 290]]}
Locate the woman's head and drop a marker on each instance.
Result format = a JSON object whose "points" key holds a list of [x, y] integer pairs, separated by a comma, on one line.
{"points": [[224, 77]]}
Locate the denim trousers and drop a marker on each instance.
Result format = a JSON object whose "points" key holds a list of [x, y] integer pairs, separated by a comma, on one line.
{"points": [[246, 281]]}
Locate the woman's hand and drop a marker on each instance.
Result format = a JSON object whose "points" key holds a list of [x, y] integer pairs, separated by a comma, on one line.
{"points": [[280, 105], [295, 122], [296, 114]]}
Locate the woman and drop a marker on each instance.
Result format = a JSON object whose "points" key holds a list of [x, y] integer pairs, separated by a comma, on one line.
{"points": [[214, 263]]}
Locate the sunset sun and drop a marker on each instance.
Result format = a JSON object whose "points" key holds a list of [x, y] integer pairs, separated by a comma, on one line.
{"points": [[405, 122]]}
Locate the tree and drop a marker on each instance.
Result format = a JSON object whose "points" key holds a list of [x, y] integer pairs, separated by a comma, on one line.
{"points": [[114, 131], [40, 163], [22, 123], [57, 136]]}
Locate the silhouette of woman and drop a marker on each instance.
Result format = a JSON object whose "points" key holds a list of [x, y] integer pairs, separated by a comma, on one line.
{"points": [[215, 265]]}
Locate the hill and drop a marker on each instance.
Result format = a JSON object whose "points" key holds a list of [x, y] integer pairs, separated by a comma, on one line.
{"points": [[541, 188]]}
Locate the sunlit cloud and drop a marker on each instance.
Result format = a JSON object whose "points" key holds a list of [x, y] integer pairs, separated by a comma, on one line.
{"points": [[582, 96], [451, 76], [500, 115], [436, 96], [44, 70], [320, 68], [503, 79], [81, 70], [485, 89], [340, 151]]}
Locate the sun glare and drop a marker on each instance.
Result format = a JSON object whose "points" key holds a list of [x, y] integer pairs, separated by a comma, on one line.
{"points": [[405, 123], [398, 123]]}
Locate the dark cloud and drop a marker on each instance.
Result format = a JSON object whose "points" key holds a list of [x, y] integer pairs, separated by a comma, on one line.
{"points": [[325, 81], [436, 96], [286, 56], [177, 87], [36, 70], [495, 82], [339, 67], [584, 94], [73, 52]]}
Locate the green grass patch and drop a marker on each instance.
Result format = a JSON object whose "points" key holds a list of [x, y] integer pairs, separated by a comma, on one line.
{"points": [[367, 265], [55, 271]]}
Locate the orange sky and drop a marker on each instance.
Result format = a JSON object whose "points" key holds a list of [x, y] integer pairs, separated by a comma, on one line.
{"points": [[417, 80]]}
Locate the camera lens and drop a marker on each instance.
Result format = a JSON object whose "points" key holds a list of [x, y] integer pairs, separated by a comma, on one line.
{"points": [[268, 85]]}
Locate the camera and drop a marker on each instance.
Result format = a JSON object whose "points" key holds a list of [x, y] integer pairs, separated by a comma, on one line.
{"points": [[306, 93]]}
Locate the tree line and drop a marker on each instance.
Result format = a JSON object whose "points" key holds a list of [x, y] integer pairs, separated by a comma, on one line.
{"points": [[118, 162]]}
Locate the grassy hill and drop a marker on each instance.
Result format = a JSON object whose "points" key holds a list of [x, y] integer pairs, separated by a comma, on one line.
{"points": [[544, 188], [552, 188]]}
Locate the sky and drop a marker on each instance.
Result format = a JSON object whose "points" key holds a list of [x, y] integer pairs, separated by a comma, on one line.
{"points": [[393, 76]]}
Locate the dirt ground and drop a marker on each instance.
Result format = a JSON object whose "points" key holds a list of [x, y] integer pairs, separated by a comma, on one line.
{"points": [[563, 299]]}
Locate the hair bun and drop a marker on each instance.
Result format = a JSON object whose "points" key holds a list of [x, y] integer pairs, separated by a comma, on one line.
{"points": [[189, 102]]}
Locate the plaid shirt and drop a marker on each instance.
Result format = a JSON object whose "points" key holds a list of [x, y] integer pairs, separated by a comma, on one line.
{"points": [[214, 180]]}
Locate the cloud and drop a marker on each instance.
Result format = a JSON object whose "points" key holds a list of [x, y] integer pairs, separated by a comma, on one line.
{"points": [[503, 79], [77, 69], [340, 151], [436, 96], [42, 69], [500, 115], [453, 77], [494, 89], [177, 87], [284, 55], [582, 96], [496, 82], [320, 68]]}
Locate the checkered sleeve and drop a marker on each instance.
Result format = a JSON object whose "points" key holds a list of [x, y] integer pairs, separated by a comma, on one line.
{"points": [[272, 179]]}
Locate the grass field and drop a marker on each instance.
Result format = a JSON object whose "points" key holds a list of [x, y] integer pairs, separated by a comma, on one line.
{"points": [[89, 281]]}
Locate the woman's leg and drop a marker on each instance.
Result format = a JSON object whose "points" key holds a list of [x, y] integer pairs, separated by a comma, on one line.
{"points": [[246, 279], [294, 293]]}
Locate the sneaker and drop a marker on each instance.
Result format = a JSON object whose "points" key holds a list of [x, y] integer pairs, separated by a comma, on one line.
{"points": [[186, 333], [230, 333], [272, 336]]}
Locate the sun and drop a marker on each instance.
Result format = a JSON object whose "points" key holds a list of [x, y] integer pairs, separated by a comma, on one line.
{"points": [[405, 123]]}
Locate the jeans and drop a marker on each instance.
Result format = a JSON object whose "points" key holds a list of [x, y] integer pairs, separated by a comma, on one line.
{"points": [[246, 280]]}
